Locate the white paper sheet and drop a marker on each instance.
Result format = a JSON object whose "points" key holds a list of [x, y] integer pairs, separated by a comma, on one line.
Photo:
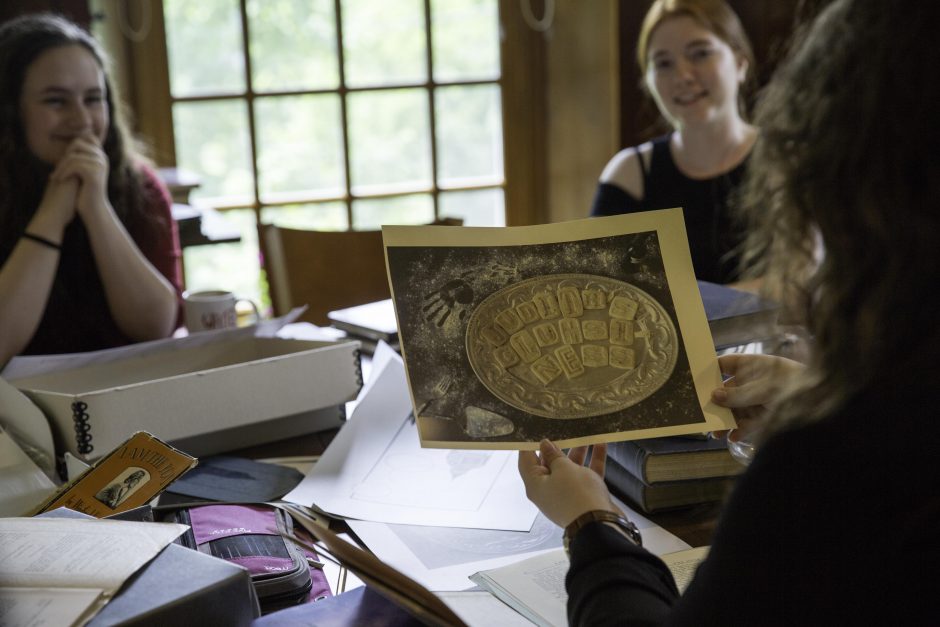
{"points": [[478, 608], [375, 469], [74, 467], [443, 558], [24, 485], [56, 571], [308, 331]]}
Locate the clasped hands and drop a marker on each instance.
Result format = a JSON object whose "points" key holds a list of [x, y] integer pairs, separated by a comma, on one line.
{"points": [[78, 183], [565, 486]]}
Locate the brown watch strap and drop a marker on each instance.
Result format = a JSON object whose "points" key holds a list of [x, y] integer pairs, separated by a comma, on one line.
{"points": [[602, 515]]}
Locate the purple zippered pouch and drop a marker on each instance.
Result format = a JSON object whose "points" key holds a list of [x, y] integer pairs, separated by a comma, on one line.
{"points": [[249, 535]]}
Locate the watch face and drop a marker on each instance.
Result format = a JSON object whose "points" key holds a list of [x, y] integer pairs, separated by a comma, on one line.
{"points": [[634, 534]]}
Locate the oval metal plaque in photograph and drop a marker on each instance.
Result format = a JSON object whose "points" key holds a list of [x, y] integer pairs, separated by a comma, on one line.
{"points": [[571, 345]]}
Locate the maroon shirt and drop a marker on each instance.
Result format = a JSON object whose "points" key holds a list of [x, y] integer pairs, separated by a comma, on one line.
{"points": [[77, 317]]}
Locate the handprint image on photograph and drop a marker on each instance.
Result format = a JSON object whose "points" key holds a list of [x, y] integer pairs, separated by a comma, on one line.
{"points": [[582, 332]]}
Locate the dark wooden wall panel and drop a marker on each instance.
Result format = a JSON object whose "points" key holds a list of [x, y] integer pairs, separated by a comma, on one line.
{"points": [[75, 10]]}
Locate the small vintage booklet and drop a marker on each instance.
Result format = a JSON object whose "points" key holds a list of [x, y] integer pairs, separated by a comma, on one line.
{"points": [[127, 477], [581, 332]]}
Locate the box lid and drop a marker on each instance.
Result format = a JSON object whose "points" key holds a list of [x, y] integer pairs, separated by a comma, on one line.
{"points": [[180, 393]]}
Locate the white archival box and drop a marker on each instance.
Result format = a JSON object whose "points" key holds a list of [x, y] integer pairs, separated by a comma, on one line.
{"points": [[216, 394]]}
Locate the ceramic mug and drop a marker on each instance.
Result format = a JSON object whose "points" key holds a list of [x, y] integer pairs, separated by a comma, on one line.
{"points": [[212, 309]]}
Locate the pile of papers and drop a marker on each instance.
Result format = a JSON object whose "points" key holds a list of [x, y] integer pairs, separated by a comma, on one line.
{"points": [[448, 519]]}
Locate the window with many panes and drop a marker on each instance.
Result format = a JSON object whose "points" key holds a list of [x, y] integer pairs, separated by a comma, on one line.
{"points": [[333, 114]]}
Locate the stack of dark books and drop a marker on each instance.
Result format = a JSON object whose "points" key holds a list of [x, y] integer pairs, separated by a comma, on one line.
{"points": [[664, 473], [369, 323]]}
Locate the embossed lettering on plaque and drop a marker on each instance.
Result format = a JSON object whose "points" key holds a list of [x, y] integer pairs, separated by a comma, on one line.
{"points": [[579, 345]]}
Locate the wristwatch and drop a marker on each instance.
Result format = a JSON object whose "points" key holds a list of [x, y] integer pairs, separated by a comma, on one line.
{"points": [[605, 516]]}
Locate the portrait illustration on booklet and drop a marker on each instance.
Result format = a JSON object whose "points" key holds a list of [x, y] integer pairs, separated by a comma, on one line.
{"points": [[579, 332], [124, 486]]}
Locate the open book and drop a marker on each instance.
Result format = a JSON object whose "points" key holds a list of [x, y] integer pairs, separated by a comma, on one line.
{"points": [[535, 587], [46, 576]]}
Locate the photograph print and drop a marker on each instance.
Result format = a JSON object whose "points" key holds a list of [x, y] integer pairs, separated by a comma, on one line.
{"points": [[569, 331]]}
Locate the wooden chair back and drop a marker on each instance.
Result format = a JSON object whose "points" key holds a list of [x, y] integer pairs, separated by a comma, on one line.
{"points": [[325, 270]]}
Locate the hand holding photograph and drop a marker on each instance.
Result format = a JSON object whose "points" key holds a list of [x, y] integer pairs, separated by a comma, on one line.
{"points": [[582, 332]]}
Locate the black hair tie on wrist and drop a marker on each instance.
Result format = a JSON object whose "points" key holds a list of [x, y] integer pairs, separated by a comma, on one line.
{"points": [[42, 240]]}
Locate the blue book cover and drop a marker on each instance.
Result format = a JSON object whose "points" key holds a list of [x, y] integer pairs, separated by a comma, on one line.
{"points": [[735, 316], [360, 606]]}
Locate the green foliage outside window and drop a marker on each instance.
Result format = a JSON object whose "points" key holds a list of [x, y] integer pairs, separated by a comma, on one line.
{"points": [[294, 170]]}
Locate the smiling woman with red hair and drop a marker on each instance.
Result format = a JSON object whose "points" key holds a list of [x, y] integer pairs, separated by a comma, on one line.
{"points": [[89, 255], [697, 62]]}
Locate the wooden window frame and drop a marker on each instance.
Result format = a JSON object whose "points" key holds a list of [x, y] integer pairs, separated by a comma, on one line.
{"points": [[521, 83]]}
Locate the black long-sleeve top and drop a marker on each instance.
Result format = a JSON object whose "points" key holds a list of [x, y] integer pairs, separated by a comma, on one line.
{"points": [[835, 523], [708, 208]]}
